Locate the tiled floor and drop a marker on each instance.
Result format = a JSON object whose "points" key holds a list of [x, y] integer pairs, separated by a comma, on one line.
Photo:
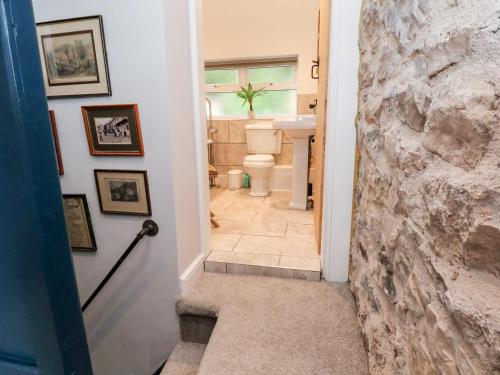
{"points": [[262, 236]]}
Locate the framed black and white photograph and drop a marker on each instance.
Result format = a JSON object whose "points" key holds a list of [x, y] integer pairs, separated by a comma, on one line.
{"points": [[113, 130], [73, 56], [123, 192], [78, 222]]}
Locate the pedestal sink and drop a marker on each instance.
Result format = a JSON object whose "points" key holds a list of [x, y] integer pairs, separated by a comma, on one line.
{"points": [[299, 128]]}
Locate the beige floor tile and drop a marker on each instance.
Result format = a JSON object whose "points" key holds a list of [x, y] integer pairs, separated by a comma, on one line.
{"points": [[276, 204], [300, 231], [220, 204], [263, 228], [220, 256], [299, 247], [309, 264], [237, 214], [229, 227], [260, 245], [255, 259], [249, 204], [280, 195], [300, 217], [224, 242], [268, 214]]}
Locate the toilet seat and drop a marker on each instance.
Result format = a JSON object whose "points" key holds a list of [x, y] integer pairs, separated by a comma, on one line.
{"points": [[259, 159]]}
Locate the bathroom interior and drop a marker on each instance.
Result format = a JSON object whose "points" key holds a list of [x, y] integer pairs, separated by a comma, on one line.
{"points": [[262, 157]]}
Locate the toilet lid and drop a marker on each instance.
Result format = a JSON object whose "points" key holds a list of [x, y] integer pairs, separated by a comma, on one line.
{"points": [[259, 158]]}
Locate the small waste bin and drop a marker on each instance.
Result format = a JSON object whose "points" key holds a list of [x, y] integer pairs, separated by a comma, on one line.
{"points": [[234, 177]]}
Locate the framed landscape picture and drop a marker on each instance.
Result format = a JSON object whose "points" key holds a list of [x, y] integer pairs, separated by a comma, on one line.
{"points": [[78, 223], [113, 130], [123, 192], [73, 56], [60, 167]]}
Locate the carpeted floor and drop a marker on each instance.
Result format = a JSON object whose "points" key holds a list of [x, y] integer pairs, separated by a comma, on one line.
{"points": [[277, 326], [185, 359]]}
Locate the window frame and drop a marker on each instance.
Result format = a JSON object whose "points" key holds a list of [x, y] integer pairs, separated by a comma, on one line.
{"points": [[243, 67]]}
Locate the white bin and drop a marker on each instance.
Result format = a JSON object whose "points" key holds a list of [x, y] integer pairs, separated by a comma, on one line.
{"points": [[235, 179]]}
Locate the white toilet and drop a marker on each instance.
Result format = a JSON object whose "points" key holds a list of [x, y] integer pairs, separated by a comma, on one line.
{"points": [[262, 142]]}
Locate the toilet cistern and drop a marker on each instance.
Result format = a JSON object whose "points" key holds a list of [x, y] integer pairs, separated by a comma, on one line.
{"points": [[299, 128]]}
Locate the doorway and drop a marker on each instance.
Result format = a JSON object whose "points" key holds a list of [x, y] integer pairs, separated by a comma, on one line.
{"points": [[265, 181], [333, 255]]}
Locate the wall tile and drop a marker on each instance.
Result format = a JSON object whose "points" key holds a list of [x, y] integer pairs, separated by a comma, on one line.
{"points": [[237, 133], [286, 155], [229, 153], [222, 133]]}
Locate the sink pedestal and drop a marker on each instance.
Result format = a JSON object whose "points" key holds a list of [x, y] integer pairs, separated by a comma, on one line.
{"points": [[299, 177], [299, 128]]}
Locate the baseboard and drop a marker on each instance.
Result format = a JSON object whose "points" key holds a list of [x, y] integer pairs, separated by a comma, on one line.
{"points": [[189, 277]]}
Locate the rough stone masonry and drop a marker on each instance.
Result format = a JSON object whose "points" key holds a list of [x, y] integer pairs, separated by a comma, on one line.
{"points": [[426, 250]]}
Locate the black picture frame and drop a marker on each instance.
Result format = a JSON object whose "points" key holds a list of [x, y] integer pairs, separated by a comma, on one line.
{"points": [[103, 75], [88, 223], [104, 200]]}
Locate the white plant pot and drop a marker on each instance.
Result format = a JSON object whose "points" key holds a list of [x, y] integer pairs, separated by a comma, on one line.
{"points": [[251, 115]]}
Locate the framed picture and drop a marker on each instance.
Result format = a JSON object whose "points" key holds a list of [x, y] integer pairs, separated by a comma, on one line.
{"points": [[60, 167], [113, 130], [123, 192], [78, 223], [73, 55]]}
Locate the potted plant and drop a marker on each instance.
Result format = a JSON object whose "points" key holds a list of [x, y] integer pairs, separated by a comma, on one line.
{"points": [[248, 95]]}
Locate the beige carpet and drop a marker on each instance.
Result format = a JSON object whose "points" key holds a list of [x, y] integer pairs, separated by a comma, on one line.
{"points": [[277, 326], [184, 360]]}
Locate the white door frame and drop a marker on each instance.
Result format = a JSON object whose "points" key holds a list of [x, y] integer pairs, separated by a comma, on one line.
{"points": [[340, 134]]}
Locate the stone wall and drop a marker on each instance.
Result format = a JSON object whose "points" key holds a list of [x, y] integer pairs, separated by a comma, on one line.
{"points": [[426, 250]]}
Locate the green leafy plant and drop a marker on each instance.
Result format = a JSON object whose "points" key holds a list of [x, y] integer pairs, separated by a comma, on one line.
{"points": [[249, 94]]}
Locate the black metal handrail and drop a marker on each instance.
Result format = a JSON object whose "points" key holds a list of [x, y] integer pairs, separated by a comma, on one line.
{"points": [[149, 228]]}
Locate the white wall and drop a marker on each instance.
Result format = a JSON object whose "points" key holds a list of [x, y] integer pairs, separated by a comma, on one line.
{"points": [[132, 325], [262, 28], [340, 138]]}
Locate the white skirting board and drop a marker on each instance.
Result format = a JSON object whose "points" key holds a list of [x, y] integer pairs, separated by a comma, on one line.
{"points": [[281, 178], [189, 277]]}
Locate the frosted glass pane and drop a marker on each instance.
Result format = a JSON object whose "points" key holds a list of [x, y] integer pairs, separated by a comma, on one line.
{"points": [[276, 102], [272, 102], [221, 76], [226, 104], [272, 74]]}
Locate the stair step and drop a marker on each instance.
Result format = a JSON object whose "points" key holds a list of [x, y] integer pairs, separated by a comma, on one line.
{"points": [[185, 359], [257, 270]]}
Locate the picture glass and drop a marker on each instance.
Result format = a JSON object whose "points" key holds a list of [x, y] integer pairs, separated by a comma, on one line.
{"points": [[73, 57], [123, 192], [78, 223], [70, 58], [113, 130]]}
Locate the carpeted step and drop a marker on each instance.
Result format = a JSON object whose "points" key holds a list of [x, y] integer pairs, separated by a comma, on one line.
{"points": [[271, 326], [196, 321], [185, 359]]}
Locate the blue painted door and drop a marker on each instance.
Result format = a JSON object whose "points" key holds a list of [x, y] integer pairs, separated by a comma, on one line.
{"points": [[41, 326]]}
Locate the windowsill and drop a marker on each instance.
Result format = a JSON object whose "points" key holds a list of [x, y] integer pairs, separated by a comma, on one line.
{"points": [[257, 117]]}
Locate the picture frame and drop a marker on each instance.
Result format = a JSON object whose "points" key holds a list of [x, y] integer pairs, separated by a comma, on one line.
{"points": [[57, 146], [123, 192], [78, 223], [113, 130], [73, 56]]}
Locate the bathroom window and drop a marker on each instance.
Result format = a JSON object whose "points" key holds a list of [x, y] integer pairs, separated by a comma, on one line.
{"points": [[277, 78]]}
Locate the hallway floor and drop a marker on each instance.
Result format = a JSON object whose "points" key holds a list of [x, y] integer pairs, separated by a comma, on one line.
{"points": [[262, 232], [273, 326]]}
